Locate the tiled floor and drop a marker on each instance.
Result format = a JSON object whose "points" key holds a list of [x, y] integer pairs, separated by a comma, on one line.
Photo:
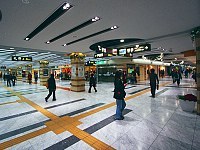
{"points": [[85, 121]]}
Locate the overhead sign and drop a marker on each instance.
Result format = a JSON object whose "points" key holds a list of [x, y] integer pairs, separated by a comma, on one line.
{"points": [[122, 51], [100, 55], [101, 62], [90, 63], [141, 48], [127, 52], [19, 58]]}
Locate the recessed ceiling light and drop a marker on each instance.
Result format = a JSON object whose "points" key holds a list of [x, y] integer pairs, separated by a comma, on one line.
{"points": [[114, 27], [26, 39], [11, 48], [121, 41], [48, 42], [65, 45], [95, 18], [23, 51], [66, 6]]}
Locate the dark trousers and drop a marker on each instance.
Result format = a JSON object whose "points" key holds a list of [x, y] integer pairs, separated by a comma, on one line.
{"points": [[92, 85], [13, 82], [8, 83], [153, 90], [29, 81], [178, 81], [120, 107], [50, 93]]}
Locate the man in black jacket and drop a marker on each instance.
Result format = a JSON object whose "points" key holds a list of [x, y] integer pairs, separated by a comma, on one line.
{"points": [[153, 79], [92, 83], [52, 88], [119, 95]]}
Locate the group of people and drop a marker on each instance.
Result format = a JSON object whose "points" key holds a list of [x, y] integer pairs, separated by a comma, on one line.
{"points": [[11, 79], [30, 77], [176, 76], [119, 92]]}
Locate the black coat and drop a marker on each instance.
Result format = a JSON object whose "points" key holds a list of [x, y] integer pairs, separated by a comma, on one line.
{"points": [[51, 83], [119, 92], [153, 79], [92, 81]]}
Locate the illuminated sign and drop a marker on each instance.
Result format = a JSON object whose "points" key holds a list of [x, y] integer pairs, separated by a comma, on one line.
{"points": [[19, 58], [101, 62], [122, 51], [114, 51], [141, 48], [100, 55], [127, 52], [90, 63]]}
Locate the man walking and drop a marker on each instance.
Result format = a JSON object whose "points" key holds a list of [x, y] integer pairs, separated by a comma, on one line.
{"points": [[153, 82], [52, 88]]}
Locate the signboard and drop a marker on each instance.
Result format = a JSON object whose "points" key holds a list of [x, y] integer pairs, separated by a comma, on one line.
{"points": [[90, 63], [19, 58], [127, 52], [114, 51], [122, 51], [102, 62], [102, 55], [141, 48]]}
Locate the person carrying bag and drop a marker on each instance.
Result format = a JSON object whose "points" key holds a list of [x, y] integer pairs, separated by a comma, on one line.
{"points": [[51, 85]]}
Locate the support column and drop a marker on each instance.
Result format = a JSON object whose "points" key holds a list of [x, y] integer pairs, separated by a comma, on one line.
{"points": [[195, 34], [44, 72], [19, 73], [78, 72], [142, 73]]}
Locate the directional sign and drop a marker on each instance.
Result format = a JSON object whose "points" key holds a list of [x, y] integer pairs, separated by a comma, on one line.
{"points": [[19, 58]]}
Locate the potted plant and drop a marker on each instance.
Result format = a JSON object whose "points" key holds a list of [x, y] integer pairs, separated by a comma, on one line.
{"points": [[187, 102]]}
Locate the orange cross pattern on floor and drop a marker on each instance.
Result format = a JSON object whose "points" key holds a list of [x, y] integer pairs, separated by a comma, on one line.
{"points": [[66, 123]]}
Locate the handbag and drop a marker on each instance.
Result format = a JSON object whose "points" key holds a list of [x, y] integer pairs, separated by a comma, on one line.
{"points": [[157, 86], [47, 85]]}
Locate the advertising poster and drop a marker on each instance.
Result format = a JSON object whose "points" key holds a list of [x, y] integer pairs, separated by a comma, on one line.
{"points": [[73, 71], [81, 71]]}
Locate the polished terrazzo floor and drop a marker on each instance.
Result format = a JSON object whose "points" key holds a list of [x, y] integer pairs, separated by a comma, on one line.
{"points": [[85, 121]]}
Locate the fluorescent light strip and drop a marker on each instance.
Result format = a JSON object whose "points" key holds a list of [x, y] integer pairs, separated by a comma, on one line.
{"points": [[60, 11], [7, 51], [94, 34], [95, 19]]}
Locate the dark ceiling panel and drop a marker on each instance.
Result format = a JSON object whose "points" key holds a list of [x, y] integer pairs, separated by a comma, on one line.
{"points": [[60, 11], [88, 22], [92, 35]]}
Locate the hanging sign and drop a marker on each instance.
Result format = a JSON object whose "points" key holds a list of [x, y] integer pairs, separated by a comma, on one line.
{"points": [[19, 58]]}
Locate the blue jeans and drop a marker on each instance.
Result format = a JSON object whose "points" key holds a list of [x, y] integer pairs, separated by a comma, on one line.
{"points": [[120, 107]]}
